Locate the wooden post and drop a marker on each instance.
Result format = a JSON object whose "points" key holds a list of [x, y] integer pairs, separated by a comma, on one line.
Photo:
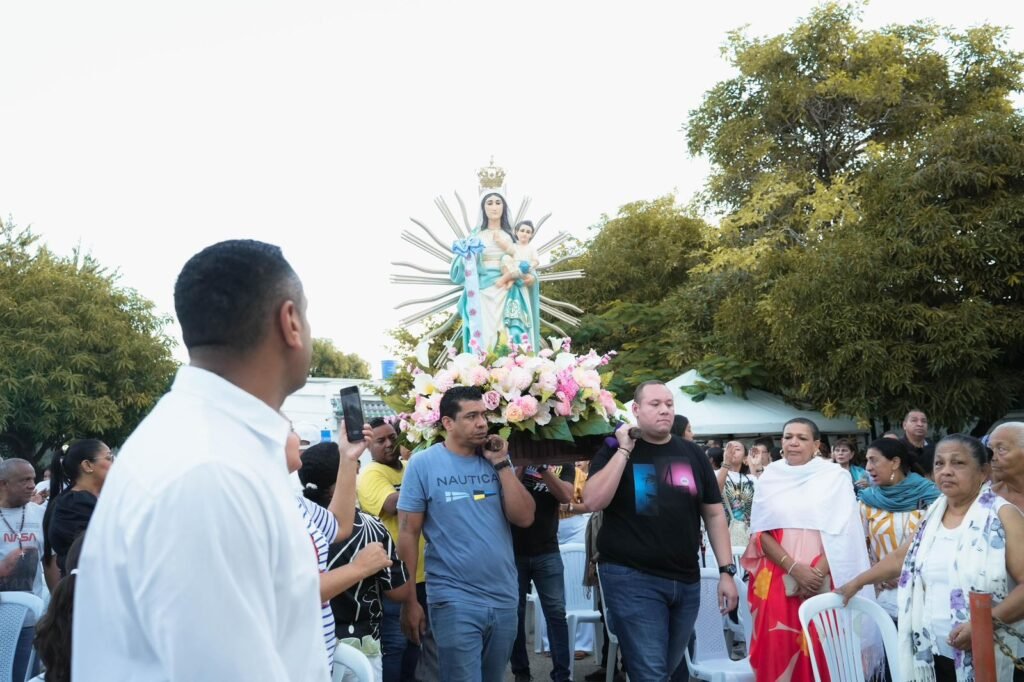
{"points": [[982, 641]]}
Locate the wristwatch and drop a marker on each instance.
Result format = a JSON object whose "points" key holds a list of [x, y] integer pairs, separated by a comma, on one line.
{"points": [[503, 464], [728, 568]]}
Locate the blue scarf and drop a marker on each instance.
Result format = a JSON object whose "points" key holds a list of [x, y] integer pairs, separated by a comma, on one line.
{"points": [[913, 492]]}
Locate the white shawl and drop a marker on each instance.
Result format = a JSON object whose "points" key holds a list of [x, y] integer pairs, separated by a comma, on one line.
{"points": [[819, 496], [979, 566]]}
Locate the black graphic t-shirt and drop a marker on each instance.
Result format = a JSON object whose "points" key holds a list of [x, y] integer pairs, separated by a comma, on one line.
{"points": [[653, 522], [542, 536]]}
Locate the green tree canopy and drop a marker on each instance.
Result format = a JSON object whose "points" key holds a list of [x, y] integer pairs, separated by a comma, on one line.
{"points": [[869, 253], [80, 356], [328, 361], [635, 262]]}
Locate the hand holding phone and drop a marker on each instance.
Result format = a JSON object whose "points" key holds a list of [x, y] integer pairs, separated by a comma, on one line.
{"points": [[495, 449]]}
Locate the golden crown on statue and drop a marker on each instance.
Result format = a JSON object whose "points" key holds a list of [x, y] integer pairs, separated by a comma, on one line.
{"points": [[491, 177]]}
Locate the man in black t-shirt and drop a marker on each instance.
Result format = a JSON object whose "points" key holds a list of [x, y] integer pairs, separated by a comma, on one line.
{"points": [[915, 432], [538, 560], [654, 492]]}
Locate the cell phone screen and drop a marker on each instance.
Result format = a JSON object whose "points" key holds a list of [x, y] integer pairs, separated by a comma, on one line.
{"points": [[352, 413]]}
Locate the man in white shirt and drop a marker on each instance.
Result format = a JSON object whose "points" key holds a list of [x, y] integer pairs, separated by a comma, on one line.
{"points": [[21, 545], [196, 564]]}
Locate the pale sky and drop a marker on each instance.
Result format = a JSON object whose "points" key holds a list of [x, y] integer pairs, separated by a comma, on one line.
{"points": [[146, 131]]}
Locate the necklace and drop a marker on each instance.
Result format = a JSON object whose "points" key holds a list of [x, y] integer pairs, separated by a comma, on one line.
{"points": [[7, 523]]}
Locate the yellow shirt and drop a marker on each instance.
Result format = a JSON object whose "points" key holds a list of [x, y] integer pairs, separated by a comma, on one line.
{"points": [[376, 483]]}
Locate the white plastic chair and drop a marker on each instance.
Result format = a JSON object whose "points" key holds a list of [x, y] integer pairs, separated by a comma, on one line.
{"points": [[355, 661], [840, 640], [580, 601], [540, 626], [710, 660], [16, 610], [613, 641]]}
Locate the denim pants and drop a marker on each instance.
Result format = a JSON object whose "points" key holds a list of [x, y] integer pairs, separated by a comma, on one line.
{"points": [[652, 617], [400, 656], [547, 573], [474, 642]]}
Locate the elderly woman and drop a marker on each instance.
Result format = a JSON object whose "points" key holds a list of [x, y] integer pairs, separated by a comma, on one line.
{"points": [[892, 508], [737, 486], [806, 536], [970, 540]]}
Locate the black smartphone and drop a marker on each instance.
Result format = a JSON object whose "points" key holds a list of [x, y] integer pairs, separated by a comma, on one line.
{"points": [[352, 413]]}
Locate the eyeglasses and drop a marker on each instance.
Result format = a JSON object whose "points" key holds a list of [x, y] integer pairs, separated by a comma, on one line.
{"points": [[110, 456]]}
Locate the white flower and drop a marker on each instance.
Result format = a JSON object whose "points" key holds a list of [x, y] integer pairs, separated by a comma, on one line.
{"points": [[424, 383], [543, 416], [564, 361]]}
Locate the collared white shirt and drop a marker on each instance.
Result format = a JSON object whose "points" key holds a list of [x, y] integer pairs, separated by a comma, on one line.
{"points": [[196, 564]]}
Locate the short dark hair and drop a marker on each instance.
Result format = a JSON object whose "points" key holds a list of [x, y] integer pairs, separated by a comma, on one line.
{"points": [[815, 433], [226, 293], [319, 471], [716, 455], [640, 389], [379, 421], [767, 441], [450, 402]]}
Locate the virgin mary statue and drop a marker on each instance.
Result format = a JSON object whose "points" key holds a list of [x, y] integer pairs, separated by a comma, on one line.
{"points": [[498, 306]]}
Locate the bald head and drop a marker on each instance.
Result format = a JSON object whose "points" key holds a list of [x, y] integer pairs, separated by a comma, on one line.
{"points": [[1013, 431]]}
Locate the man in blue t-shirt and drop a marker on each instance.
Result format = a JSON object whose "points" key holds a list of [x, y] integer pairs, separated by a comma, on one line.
{"points": [[462, 497]]}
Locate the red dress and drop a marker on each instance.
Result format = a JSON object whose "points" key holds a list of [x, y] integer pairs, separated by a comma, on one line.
{"points": [[779, 651]]}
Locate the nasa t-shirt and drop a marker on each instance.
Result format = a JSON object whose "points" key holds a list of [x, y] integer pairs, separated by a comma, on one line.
{"points": [[24, 524], [653, 522]]}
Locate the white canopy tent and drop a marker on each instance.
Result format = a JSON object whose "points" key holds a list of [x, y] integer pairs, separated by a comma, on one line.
{"points": [[760, 413]]}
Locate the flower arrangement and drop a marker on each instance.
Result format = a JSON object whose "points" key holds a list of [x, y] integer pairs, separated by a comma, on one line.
{"points": [[553, 394]]}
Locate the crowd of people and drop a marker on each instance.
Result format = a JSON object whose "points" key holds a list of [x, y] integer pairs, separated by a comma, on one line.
{"points": [[222, 546]]}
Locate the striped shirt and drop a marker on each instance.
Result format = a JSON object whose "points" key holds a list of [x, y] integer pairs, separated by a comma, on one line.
{"points": [[322, 527]]}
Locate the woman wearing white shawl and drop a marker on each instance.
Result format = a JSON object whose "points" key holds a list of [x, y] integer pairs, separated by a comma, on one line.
{"points": [[806, 537], [970, 540]]}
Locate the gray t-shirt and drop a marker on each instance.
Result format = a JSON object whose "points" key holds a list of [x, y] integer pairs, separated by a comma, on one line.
{"points": [[469, 545]]}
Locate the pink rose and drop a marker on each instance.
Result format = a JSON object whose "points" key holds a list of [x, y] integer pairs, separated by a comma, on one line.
{"points": [[608, 402], [444, 380], [529, 405], [514, 413], [491, 400], [563, 409]]}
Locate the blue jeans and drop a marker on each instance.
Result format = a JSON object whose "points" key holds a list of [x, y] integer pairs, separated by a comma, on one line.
{"points": [[398, 655], [652, 617], [546, 572], [474, 642]]}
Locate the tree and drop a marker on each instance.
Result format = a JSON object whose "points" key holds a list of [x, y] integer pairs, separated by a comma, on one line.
{"points": [[869, 190], [328, 361], [635, 262], [80, 356], [921, 302]]}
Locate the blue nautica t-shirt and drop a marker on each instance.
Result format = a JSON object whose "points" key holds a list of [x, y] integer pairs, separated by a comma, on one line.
{"points": [[469, 544]]}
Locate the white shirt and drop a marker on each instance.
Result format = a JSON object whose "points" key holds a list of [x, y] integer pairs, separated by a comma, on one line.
{"points": [[196, 564], [937, 574]]}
